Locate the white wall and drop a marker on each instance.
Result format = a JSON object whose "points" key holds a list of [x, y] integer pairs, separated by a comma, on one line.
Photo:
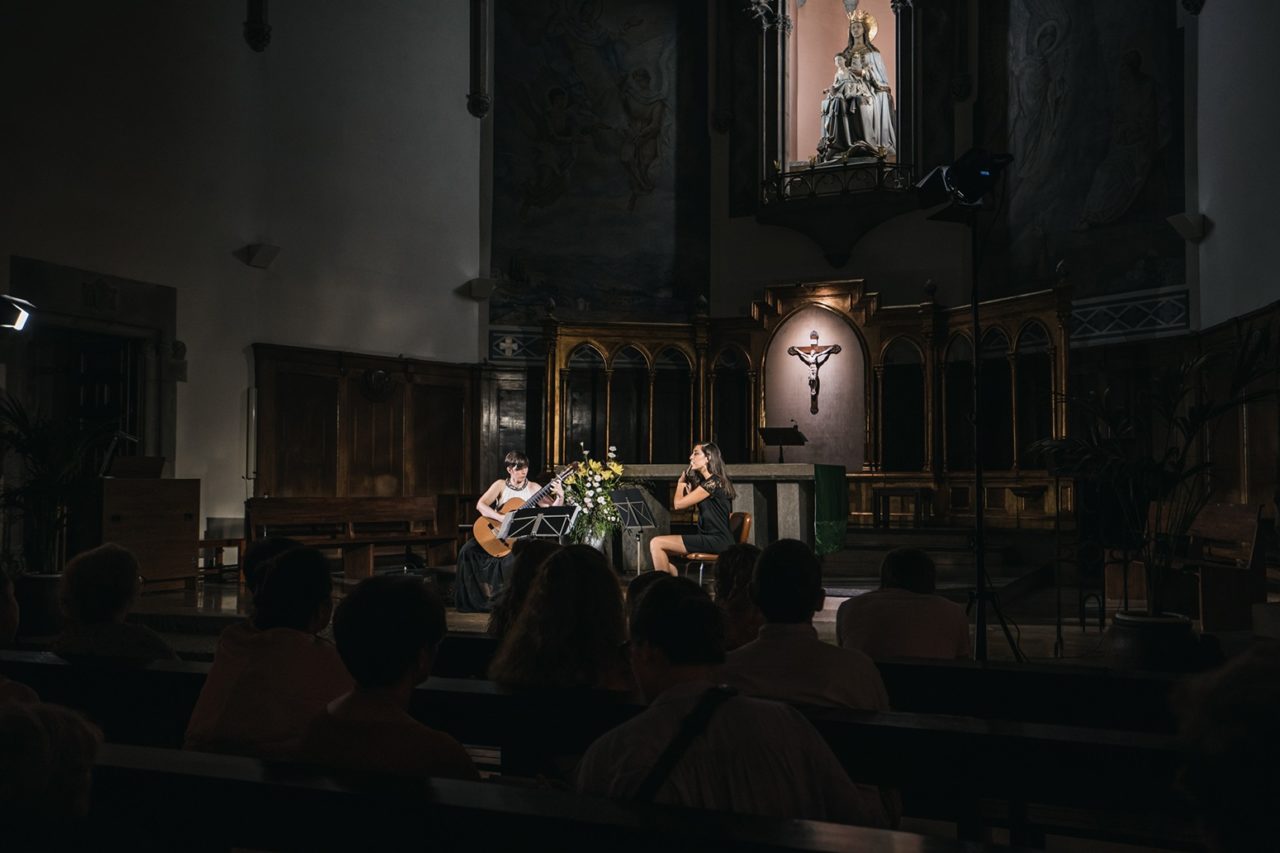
{"points": [[1239, 173], [146, 140]]}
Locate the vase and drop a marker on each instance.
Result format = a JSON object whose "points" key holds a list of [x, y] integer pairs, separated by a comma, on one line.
{"points": [[595, 540], [1164, 643]]}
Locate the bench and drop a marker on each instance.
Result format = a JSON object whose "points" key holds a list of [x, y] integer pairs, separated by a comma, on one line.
{"points": [[279, 807], [356, 526], [978, 773], [1224, 554], [1088, 696]]}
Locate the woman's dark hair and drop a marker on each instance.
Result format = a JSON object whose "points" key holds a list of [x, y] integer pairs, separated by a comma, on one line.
{"points": [[677, 616], [259, 553], [733, 572], [296, 586], [715, 468], [516, 459], [383, 625], [636, 589], [570, 631], [97, 584], [527, 557]]}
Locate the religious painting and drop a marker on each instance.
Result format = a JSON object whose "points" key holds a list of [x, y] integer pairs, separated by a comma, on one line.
{"points": [[815, 378], [596, 188], [1094, 121]]}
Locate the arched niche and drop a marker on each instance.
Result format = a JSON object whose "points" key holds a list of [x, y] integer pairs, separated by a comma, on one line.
{"points": [[1034, 391], [731, 404], [672, 406], [629, 405], [585, 402], [995, 420], [836, 433], [902, 422], [957, 404]]}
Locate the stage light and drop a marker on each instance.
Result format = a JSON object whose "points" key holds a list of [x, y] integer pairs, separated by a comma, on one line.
{"points": [[16, 311], [971, 177]]}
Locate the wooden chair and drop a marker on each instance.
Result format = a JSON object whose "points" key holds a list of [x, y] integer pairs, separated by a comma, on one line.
{"points": [[739, 526]]}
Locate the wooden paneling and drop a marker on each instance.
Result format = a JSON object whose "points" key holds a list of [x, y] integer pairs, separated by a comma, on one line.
{"points": [[375, 438], [439, 443], [305, 440], [333, 424]]}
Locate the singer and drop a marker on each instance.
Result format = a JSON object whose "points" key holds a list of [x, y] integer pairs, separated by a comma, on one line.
{"points": [[706, 486]]}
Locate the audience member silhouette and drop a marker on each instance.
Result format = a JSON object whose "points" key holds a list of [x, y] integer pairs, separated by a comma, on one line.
{"points": [[742, 619], [387, 630], [527, 557], [272, 675], [745, 755], [570, 631], [11, 691], [46, 761], [258, 556], [1232, 771], [636, 588], [904, 618], [96, 591], [787, 661]]}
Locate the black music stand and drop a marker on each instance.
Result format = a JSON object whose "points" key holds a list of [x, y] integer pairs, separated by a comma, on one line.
{"points": [[782, 437], [636, 516], [539, 522]]}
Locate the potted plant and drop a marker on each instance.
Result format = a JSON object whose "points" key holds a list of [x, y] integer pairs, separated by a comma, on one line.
{"points": [[47, 471], [1147, 455], [590, 488]]}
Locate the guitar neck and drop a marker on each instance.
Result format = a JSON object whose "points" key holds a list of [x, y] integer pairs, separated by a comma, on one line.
{"points": [[544, 491]]}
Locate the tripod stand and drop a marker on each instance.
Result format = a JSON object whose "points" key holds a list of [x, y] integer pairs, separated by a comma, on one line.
{"points": [[966, 182]]}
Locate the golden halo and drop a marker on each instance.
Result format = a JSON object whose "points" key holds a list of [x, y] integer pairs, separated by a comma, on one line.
{"points": [[867, 20]]}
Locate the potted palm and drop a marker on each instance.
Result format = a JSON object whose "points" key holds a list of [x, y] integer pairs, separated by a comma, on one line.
{"points": [[1147, 455], [47, 471]]}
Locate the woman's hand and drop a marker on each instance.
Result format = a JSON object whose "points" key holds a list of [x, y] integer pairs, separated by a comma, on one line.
{"points": [[558, 491]]}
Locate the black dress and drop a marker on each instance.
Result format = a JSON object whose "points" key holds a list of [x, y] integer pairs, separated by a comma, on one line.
{"points": [[713, 534]]}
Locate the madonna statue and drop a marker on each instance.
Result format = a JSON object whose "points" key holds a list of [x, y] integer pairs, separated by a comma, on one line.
{"points": [[857, 111]]}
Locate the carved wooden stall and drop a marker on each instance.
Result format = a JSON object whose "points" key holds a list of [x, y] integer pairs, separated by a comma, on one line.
{"points": [[343, 425], [902, 393]]}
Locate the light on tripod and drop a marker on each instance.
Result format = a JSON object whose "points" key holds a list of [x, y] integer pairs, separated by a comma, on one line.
{"points": [[971, 177], [16, 311]]}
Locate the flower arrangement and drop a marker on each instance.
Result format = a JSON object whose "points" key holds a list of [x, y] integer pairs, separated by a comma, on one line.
{"points": [[590, 488]]}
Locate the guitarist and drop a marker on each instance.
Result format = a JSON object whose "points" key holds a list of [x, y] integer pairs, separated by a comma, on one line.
{"points": [[479, 573]]}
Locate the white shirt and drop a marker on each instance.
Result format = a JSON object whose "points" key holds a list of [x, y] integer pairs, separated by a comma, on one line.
{"points": [[789, 663], [897, 623], [755, 757]]}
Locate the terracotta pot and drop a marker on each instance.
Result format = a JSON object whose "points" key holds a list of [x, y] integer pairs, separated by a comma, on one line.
{"points": [[1165, 643]]}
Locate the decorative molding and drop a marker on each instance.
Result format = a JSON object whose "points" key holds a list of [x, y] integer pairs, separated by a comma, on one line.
{"points": [[516, 345], [1130, 316]]}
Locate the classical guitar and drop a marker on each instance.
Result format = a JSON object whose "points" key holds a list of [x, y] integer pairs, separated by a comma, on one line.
{"points": [[486, 529]]}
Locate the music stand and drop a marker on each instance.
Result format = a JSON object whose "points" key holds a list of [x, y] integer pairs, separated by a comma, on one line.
{"points": [[782, 437], [636, 516], [539, 522]]}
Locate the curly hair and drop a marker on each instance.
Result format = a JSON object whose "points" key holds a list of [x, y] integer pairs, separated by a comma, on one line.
{"points": [[570, 631], [528, 556]]}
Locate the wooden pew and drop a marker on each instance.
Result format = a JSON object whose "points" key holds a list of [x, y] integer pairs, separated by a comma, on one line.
{"points": [[355, 526], [267, 806], [977, 773], [1035, 693]]}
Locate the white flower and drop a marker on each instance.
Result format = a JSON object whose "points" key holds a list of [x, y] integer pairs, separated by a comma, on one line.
{"points": [[588, 503], [591, 491]]}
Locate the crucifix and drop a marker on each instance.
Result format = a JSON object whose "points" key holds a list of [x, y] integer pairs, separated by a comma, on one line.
{"points": [[814, 357]]}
